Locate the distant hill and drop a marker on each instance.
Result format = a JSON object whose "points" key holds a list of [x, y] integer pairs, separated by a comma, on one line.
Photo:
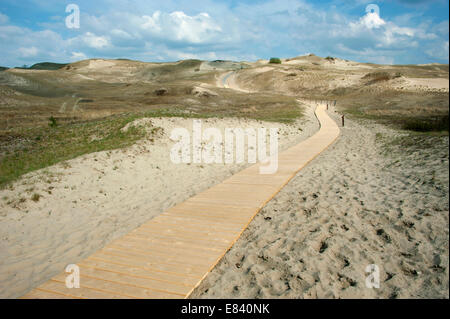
{"points": [[47, 66], [171, 71], [2, 68]]}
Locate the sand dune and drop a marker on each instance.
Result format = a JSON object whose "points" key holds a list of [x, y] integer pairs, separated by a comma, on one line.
{"points": [[374, 197], [94, 199], [353, 206]]}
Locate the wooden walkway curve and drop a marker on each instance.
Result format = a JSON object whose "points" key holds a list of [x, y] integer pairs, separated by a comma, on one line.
{"points": [[171, 254]]}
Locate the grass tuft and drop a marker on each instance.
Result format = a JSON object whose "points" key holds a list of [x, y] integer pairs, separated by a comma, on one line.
{"points": [[35, 197]]}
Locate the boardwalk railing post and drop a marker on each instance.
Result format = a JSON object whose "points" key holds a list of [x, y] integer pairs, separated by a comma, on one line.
{"points": [[342, 120]]}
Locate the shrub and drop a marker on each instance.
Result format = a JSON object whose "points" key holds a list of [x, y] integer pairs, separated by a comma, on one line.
{"points": [[52, 122], [376, 77], [35, 197], [161, 91], [436, 124], [275, 60]]}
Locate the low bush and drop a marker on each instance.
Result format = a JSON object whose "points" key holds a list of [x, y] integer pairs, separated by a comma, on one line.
{"points": [[437, 124], [275, 60]]}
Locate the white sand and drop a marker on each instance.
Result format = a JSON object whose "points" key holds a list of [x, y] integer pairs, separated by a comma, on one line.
{"points": [[422, 84], [99, 64], [99, 197], [351, 207], [261, 70], [229, 81]]}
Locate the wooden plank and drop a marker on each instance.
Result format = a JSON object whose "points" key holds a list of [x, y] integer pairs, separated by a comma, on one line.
{"points": [[186, 234], [275, 181], [116, 289], [168, 256], [227, 201], [212, 207], [83, 292], [139, 271], [163, 247], [160, 257], [193, 221], [128, 280], [224, 217], [190, 228], [180, 269], [206, 218], [177, 240], [180, 242]]}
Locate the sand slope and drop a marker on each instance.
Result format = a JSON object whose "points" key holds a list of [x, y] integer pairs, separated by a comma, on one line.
{"points": [[351, 207], [93, 199]]}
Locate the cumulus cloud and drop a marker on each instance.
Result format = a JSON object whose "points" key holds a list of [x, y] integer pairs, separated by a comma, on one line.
{"points": [[371, 20], [121, 34], [77, 56], [28, 52], [245, 31], [93, 41], [368, 54], [177, 26]]}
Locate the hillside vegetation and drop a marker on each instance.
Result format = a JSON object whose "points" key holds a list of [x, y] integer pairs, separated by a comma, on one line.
{"points": [[89, 101]]}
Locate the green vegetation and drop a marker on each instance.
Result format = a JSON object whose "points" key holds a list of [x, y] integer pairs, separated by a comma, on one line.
{"points": [[418, 145], [52, 122], [404, 110], [40, 147], [438, 123], [413, 140], [50, 66], [2, 68], [270, 109], [375, 77], [434, 124], [275, 60], [171, 72]]}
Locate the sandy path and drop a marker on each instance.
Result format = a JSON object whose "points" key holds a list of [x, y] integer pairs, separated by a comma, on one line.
{"points": [[351, 207], [229, 81]]}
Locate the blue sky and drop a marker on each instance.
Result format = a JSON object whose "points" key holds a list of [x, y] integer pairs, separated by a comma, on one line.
{"points": [[397, 32]]}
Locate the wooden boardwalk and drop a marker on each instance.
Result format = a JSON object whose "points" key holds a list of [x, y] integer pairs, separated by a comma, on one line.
{"points": [[171, 254]]}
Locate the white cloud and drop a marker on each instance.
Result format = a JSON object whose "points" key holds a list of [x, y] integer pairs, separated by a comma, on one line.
{"points": [[170, 31], [93, 41], [372, 20], [28, 52], [3, 18], [439, 51], [177, 26], [152, 23], [121, 34], [9, 32], [368, 54], [373, 32], [77, 56]]}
